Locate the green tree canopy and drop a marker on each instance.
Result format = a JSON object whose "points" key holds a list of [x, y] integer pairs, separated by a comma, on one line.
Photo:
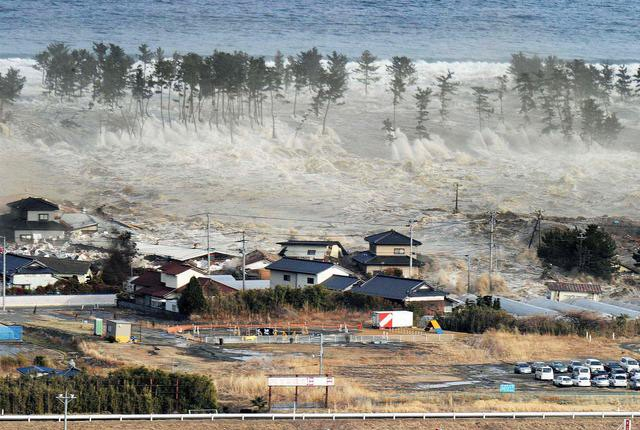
{"points": [[192, 299]]}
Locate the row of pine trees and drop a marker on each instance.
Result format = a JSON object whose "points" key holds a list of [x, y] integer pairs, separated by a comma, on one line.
{"points": [[225, 88]]}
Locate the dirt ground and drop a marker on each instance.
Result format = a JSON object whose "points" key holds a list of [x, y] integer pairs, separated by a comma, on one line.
{"points": [[549, 424]]}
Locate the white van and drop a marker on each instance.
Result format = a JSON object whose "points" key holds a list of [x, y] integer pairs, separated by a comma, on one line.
{"points": [[544, 373], [581, 371], [629, 364]]}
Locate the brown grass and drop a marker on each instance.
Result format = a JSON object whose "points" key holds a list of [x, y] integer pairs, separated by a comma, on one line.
{"points": [[98, 351]]}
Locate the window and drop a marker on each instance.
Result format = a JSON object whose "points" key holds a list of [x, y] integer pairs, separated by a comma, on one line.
{"points": [[43, 217], [398, 251], [26, 237], [311, 281], [311, 252], [286, 277]]}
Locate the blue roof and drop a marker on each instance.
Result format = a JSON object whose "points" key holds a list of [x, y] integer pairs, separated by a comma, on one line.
{"points": [[394, 288], [298, 265], [339, 283], [14, 262], [36, 369]]}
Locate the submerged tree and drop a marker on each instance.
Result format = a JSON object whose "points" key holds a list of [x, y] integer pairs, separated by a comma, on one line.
{"points": [[447, 88], [423, 98], [11, 85], [623, 82], [592, 119], [334, 83], [366, 71], [401, 71], [526, 90], [501, 91], [389, 131], [483, 107], [606, 84]]}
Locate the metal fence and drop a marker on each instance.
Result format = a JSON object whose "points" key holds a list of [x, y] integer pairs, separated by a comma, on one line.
{"points": [[323, 416], [76, 300], [329, 338]]}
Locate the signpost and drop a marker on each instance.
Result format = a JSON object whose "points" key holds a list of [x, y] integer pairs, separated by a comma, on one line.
{"points": [[507, 388], [296, 381]]}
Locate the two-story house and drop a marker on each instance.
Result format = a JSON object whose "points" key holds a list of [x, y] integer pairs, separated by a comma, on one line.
{"points": [[296, 272], [34, 219], [389, 252], [323, 250]]}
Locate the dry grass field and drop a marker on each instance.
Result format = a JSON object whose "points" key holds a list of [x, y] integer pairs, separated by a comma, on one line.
{"points": [[549, 424]]}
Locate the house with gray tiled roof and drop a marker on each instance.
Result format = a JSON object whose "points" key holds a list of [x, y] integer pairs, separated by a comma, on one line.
{"points": [[389, 251]]}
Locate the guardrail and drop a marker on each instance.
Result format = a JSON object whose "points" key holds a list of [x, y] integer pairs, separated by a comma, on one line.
{"points": [[330, 338], [322, 416]]}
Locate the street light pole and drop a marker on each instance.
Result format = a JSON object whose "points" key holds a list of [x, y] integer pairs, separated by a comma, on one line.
{"points": [[468, 272], [65, 398], [4, 273]]}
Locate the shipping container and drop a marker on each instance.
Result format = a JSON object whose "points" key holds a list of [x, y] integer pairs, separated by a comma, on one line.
{"points": [[120, 331], [97, 327], [392, 319], [11, 333]]}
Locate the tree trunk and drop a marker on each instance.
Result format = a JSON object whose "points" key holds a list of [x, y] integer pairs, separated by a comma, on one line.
{"points": [[161, 109], [273, 118], [324, 120], [295, 99]]}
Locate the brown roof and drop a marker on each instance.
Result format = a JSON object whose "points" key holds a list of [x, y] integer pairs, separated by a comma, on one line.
{"points": [[158, 291], [175, 268], [574, 288], [258, 255], [149, 278]]}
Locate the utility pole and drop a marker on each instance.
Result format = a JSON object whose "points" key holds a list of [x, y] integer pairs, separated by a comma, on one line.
{"points": [[4, 273], [208, 245], [244, 259], [455, 209], [581, 238], [321, 353], [65, 399], [468, 272], [492, 225], [411, 222], [539, 213]]}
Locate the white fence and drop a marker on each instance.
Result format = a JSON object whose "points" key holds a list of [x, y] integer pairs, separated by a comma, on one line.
{"points": [[77, 300], [332, 338], [324, 416]]}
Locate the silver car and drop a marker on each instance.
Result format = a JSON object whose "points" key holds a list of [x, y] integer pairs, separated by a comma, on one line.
{"points": [[565, 381], [618, 381], [600, 381], [522, 368]]}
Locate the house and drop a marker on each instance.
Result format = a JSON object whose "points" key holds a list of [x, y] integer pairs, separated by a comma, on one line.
{"points": [[324, 250], [560, 291], [79, 223], [26, 272], [229, 284], [35, 219], [341, 283], [256, 263], [297, 272], [388, 252], [66, 268], [405, 291]]}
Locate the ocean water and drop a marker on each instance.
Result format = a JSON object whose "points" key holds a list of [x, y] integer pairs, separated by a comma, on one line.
{"points": [[446, 30]]}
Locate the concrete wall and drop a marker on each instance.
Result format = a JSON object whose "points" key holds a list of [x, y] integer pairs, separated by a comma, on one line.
{"points": [[32, 281], [37, 235], [61, 300], [568, 295]]}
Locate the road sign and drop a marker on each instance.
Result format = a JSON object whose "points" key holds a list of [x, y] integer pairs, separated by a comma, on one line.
{"points": [[300, 381], [627, 424], [507, 388]]}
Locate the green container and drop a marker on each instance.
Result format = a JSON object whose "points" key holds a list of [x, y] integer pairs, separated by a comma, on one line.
{"points": [[97, 327]]}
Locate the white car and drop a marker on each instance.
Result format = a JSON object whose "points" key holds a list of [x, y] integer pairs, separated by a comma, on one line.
{"points": [[594, 365], [630, 364], [618, 380], [581, 381], [581, 371], [565, 381], [544, 373], [600, 381]]}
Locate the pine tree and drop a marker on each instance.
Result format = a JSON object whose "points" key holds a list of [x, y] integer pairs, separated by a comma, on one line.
{"points": [[606, 84], [501, 91], [567, 117], [548, 109], [483, 107], [367, 70], [525, 88], [592, 119], [401, 71], [11, 85], [636, 79], [447, 88], [389, 131], [334, 83], [423, 98], [611, 127], [274, 87], [623, 82], [192, 299]]}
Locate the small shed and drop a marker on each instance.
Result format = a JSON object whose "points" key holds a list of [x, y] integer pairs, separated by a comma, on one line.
{"points": [[560, 291], [119, 330]]}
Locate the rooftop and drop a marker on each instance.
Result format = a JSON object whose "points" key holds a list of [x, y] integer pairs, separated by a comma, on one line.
{"points": [[339, 282], [395, 288], [38, 225], [176, 268], [391, 237], [369, 259], [33, 204], [65, 266], [570, 287], [296, 265], [178, 253]]}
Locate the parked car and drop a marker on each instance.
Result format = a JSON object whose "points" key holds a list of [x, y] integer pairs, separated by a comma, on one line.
{"points": [[522, 368], [618, 380], [618, 371], [565, 381], [629, 364], [593, 364], [545, 373], [595, 373], [581, 381], [634, 382], [581, 371], [600, 381], [537, 365], [559, 367], [610, 365], [574, 363]]}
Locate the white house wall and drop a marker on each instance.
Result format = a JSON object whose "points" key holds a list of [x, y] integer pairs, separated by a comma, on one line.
{"points": [[33, 280], [301, 280], [38, 235], [177, 281]]}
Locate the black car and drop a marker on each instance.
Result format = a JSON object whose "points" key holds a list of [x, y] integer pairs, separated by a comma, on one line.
{"points": [[559, 367], [598, 373], [610, 365], [617, 371]]}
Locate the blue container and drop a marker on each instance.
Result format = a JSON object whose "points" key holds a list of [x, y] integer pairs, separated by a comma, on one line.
{"points": [[11, 333]]}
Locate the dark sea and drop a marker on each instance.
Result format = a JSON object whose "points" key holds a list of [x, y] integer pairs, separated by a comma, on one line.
{"points": [[445, 30]]}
